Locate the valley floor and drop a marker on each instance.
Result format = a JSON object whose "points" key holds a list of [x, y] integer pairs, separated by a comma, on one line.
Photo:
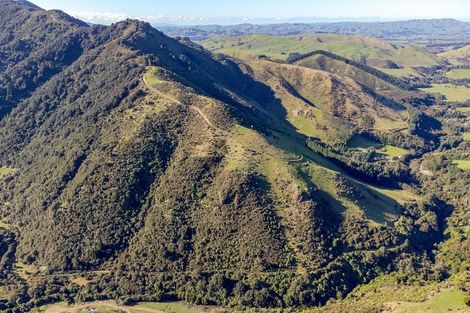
{"points": [[112, 306]]}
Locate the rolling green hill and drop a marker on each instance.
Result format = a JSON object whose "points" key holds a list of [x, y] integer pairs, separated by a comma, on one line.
{"points": [[371, 51]]}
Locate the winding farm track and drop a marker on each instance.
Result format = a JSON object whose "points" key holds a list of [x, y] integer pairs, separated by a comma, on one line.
{"points": [[192, 107], [198, 110], [425, 172]]}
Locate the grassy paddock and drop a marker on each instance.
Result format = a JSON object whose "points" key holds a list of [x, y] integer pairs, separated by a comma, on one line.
{"points": [[393, 151], [463, 164], [450, 300], [4, 225], [451, 92], [141, 307], [5, 171], [460, 73], [463, 109], [401, 72]]}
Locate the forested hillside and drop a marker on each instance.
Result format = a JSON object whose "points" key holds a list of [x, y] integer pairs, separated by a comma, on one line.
{"points": [[137, 167]]}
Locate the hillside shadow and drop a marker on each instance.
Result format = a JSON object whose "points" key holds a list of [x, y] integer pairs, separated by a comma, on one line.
{"points": [[382, 99], [270, 119], [376, 206]]}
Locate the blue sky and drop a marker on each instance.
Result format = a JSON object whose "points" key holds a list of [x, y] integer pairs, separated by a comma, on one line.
{"points": [[207, 11]]}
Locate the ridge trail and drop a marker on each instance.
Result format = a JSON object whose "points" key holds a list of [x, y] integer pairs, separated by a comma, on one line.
{"points": [[198, 110]]}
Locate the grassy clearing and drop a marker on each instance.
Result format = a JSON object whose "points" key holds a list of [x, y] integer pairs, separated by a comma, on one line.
{"points": [[4, 225], [393, 151], [304, 125], [80, 281], [389, 124], [463, 109], [450, 300], [43, 308], [325, 181], [400, 72], [466, 136], [383, 294], [283, 178], [379, 206], [462, 164], [5, 171], [24, 270], [174, 307], [399, 195], [460, 73], [237, 158], [458, 56], [152, 76], [451, 92], [141, 307]]}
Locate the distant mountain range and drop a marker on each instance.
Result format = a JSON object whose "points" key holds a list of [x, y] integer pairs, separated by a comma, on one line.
{"points": [[435, 28]]}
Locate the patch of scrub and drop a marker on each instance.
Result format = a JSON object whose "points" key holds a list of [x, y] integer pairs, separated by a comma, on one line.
{"points": [[361, 143]]}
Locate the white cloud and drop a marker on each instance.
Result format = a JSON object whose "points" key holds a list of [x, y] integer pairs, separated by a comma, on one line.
{"points": [[112, 17], [100, 17]]}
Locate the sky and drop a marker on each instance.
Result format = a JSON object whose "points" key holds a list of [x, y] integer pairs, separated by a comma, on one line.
{"points": [[238, 11]]}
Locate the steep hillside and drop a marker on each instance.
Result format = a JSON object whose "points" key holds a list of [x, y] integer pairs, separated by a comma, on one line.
{"points": [[328, 106], [457, 57], [34, 46], [137, 167], [376, 81]]}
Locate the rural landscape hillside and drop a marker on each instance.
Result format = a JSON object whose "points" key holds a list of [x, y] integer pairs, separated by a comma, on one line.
{"points": [[458, 56], [316, 172]]}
